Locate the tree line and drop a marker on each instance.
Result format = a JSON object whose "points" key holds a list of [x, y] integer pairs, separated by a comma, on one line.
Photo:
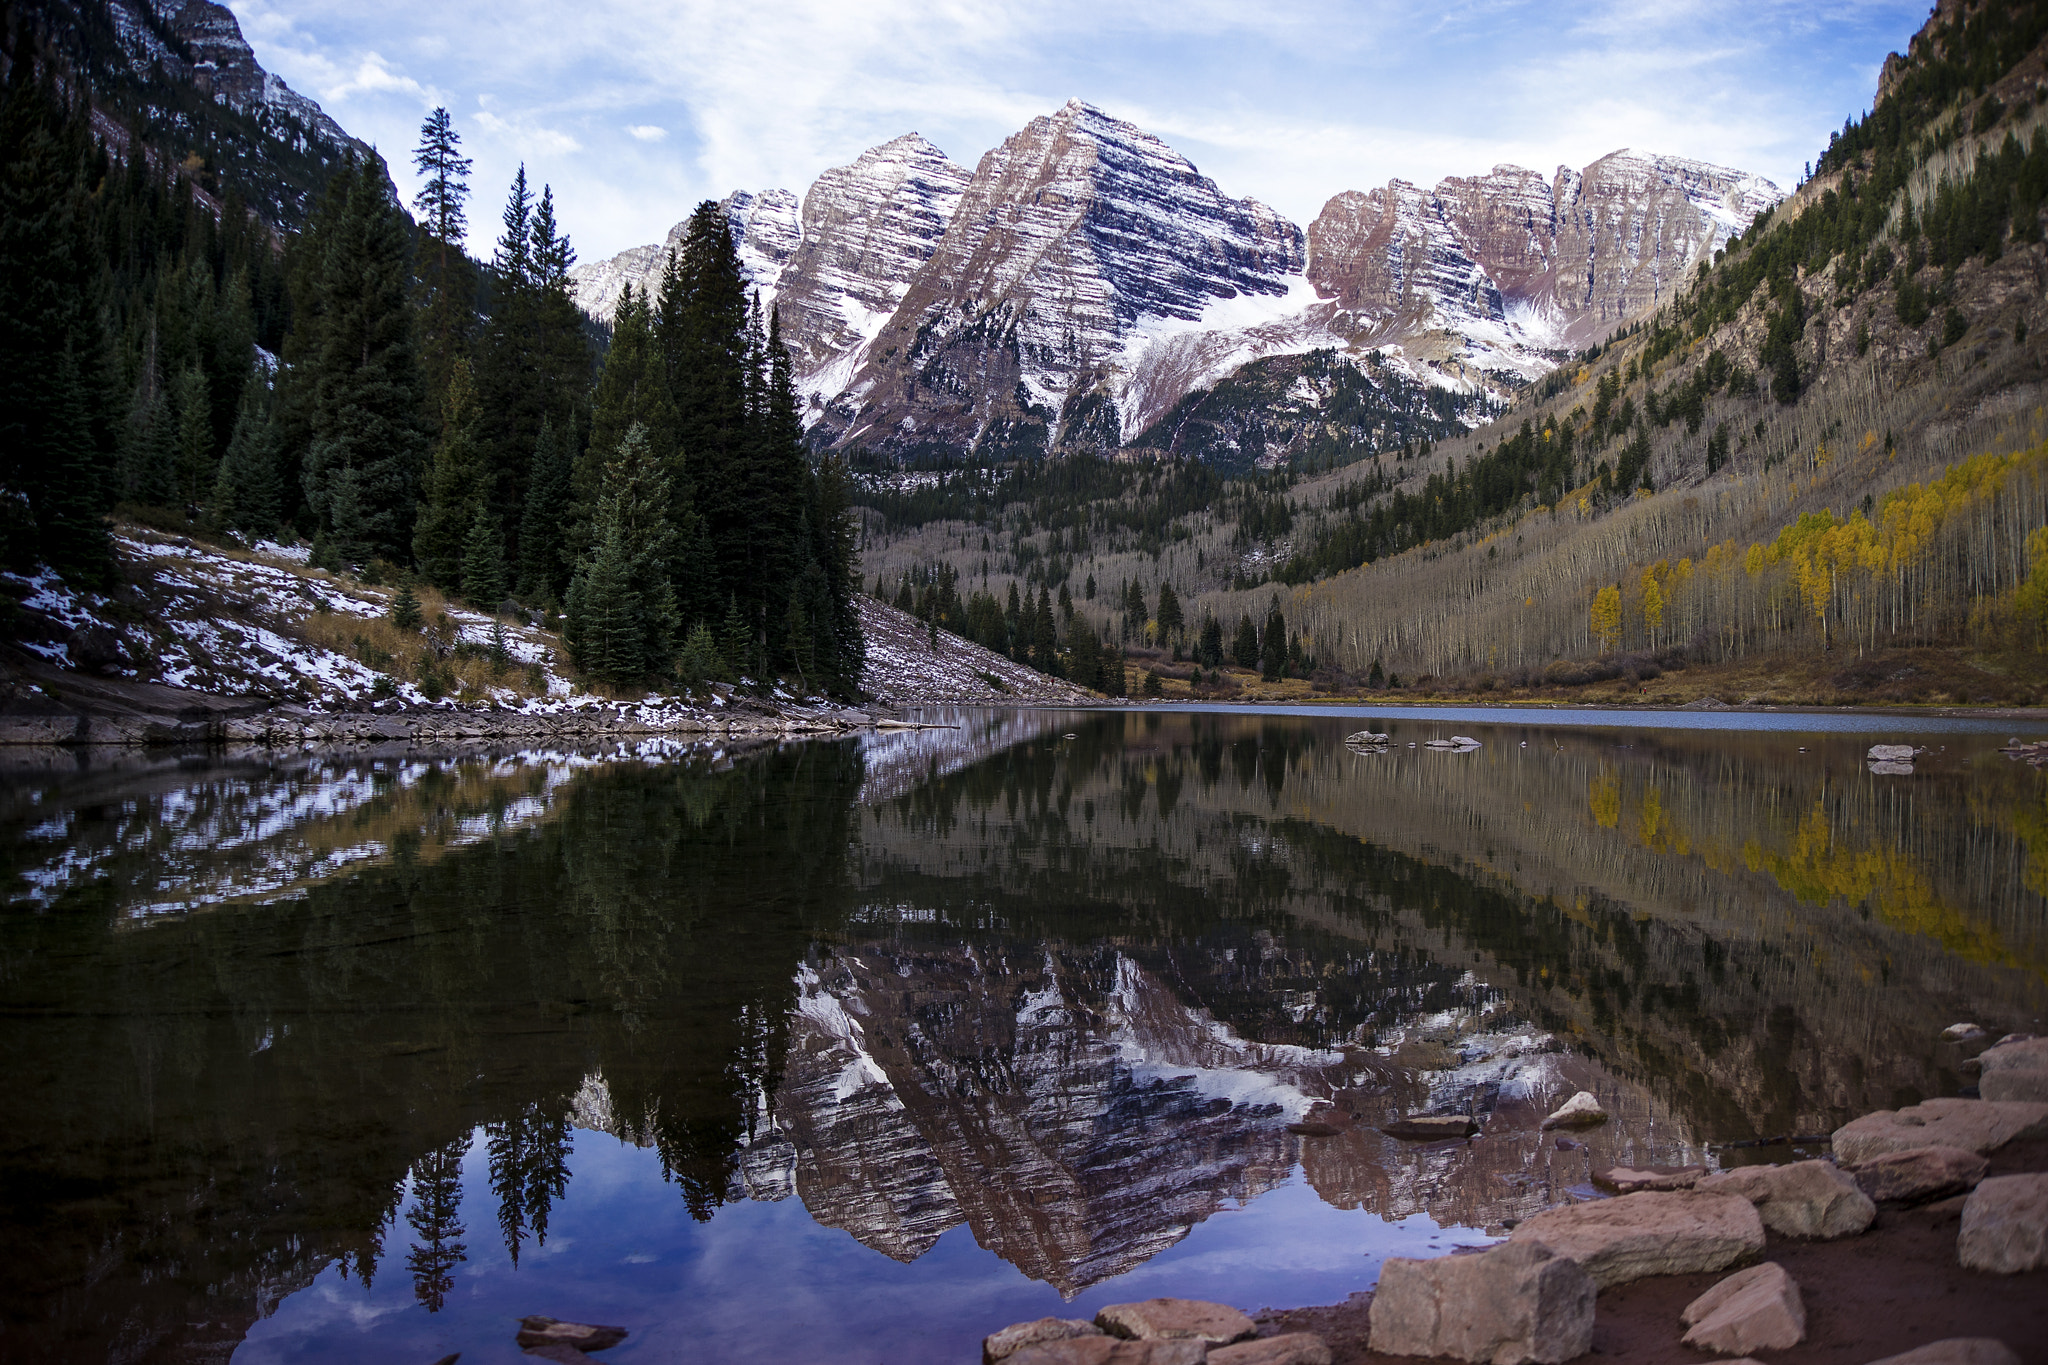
{"points": [[362, 383]]}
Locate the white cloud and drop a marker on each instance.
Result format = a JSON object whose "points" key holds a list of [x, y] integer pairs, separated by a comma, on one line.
{"points": [[1288, 102]]}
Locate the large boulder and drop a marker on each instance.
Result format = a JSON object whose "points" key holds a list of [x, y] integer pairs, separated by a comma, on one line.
{"points": [[1294, 1348], [1921, 1174], [1758, 1309], [1513, 1303], [1014, 1338], [1974, 1125], [1802, 1199], [1176, 1320], [1956, 1351], [1654, 1233], [2005, 1225], [2016, 1070]]}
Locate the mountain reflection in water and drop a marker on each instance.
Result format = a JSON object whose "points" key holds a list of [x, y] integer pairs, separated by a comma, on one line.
{"points": [[324, 1029]]}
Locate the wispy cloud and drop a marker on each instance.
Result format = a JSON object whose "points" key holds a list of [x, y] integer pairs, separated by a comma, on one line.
{"points": [[636, 109]]}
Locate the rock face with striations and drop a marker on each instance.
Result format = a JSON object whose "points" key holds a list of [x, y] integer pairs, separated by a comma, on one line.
{"points": [[1068, 239], [1086, 278]]}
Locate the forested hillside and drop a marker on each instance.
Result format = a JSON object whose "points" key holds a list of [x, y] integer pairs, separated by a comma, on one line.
{"points": [[1831, 442], [187, 363]]}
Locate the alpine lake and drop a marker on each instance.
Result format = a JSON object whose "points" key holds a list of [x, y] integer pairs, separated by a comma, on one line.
{"points": [[858, 1050]]}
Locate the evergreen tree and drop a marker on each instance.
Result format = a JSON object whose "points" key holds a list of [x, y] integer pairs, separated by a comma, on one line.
{"points": [[456, 486], [1209, 652], [405, 608], [622, 619], [447, 278], [1273, 645], [1244, 649], [149, 451], [1084, 653], [632, 387], [841, 647], [483, 563], [1045, 656], [701, 331], [1170, 623], [245, 488], [55, 466], [367, 437], [435, 1220], [543, 542]]}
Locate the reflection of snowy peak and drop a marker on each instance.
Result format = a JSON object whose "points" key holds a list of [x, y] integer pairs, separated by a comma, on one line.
{"points": [[1086, 278], [1074, 1114]]}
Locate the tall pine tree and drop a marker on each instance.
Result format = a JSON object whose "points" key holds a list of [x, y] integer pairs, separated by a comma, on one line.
{"points": [[367, 438], [622, 625], [456, 486]]}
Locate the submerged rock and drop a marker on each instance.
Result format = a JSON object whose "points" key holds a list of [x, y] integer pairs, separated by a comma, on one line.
{"points": [[1974, 1125], [1511, 1304], [2005, 1225], [1920, 1174], [1580, 1111], [1627, 1180], [1426, 1126], [1801, 1199], [1176, 1320], [1758, 1309], [537, 1331], [1655, 1233]]}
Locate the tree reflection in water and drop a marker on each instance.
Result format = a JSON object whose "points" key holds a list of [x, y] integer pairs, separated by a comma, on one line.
{"points": [[1068, 992]]}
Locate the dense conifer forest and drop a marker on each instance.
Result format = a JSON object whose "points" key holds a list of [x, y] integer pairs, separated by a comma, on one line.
{"points": [[359, 381]]}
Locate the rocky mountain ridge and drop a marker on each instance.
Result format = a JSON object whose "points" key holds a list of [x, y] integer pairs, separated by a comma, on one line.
{"points": [[180, 73], [1085, 278]]}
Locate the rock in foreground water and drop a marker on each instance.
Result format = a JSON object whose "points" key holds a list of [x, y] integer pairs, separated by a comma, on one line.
{"points": [[1176, 1320], [1001, 1345], [1512, 1304], [1580, 1111], [1758, 1309], [1656, 1233], [1801, 1199], [1427, 1126], [1101, 1350], [2016, 1070], [581, 1336], [1974, 1125], [1627, 1180], [2005, 1225], [1293, 1348], [1956, 1351], [1920, 1174]]}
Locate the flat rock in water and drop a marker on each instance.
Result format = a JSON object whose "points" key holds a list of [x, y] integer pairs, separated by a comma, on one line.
{"points": [[1961, 1033], [1956, 1351], [1580, 1111], [1800, 1199], [1758, 1309], [1628, 1180], [1431, 1126], [1920, 1173], [583, 1336], [1511, 1304], [1103, 1350], [1176, 1320], [1655, 1233], [1001, 1345], [1293, 1348], [1974, 1125], [2015, 1070], [2005, 1225], [1891, 753]]}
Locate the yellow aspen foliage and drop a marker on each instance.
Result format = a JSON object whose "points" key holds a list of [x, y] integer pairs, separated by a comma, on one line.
{"points": [[1653, 600], [1753, 562], [1603, 797], [1607, 616]]}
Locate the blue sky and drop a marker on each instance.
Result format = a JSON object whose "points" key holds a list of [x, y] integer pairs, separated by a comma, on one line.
{"points": [[636, 109]]}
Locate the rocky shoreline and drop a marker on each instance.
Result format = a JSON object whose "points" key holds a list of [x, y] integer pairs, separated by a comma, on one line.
{"points": [[1922, 1239]]}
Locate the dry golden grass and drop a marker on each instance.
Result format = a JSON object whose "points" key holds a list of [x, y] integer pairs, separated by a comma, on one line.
{"points": [[421, 654]]}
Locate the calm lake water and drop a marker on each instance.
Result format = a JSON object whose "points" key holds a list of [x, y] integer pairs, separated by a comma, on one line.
{"points": [[856, 1051]]}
